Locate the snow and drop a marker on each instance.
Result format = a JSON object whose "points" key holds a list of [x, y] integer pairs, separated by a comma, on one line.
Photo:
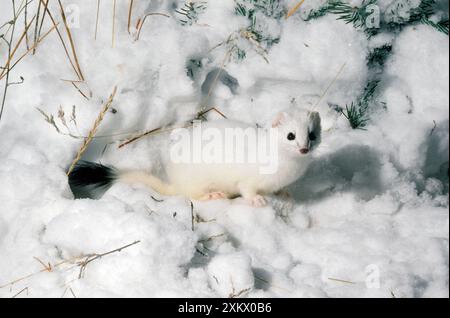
{"points": [[369, 219]]}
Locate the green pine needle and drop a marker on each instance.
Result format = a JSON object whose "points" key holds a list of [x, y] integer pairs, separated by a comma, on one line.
{"points": [[190, 12]]}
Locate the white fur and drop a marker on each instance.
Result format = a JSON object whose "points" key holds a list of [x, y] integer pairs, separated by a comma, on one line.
{"points": [[202, 180]]}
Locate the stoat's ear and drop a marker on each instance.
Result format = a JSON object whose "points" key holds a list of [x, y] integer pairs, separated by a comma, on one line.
{"points": [[280, 119], [315, 118]]}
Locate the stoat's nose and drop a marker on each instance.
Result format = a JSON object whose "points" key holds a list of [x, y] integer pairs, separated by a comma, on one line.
{"points": [[304, 151]]}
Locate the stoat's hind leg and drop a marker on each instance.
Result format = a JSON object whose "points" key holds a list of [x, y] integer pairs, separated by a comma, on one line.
{"points": [[214, 196]]}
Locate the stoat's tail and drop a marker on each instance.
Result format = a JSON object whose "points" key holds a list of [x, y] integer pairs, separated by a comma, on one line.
{"points": [[91, 180]]}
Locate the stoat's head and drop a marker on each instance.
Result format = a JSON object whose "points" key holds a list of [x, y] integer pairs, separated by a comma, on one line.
{"points": [[299, 131]]}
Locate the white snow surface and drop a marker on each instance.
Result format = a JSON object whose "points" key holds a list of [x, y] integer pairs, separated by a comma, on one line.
{"points": [[369, 219]]}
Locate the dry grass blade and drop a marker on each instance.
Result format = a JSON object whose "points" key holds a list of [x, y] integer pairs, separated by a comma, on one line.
{"points": [[35, 45], [77, 261], [93, 131], [141, 22], [43, 18], [341, 281], [114, 25], [155, 131], [212, 109], [330, 85], [96, 19], [55, 24], [23, 290], [27, 41], [130, 14], [139, 137], [161, 130], [294, 9], [80, 91], [72, 44], [90, 258], [38, 14], [16, 47]]}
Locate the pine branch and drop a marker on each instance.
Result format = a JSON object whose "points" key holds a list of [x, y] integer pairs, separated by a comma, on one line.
{"points": [[359, 15], [377, 58], [191, 12], [355, 15], [357, 113]]}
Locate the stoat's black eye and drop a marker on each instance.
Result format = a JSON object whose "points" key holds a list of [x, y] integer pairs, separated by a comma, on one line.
{"points": [[312, 136], [291, 136]]}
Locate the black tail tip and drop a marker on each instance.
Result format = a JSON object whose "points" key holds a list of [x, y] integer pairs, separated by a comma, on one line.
{"points": [[91, 180]]}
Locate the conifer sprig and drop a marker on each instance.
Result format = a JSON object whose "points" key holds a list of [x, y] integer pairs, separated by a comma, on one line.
{"points": [[350, 14], [191, 11]]}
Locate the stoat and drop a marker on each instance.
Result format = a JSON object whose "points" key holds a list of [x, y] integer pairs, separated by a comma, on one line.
{"points": [[208, 174]]}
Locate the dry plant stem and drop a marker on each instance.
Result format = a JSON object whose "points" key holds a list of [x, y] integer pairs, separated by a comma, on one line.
{"points": [[161, 130], [139, 137], [50, 268], [9, 23], [96, 20], [43, 17], [8, 64], [72, 44], [38, 14], [341, 281], [330, 85], [25, 289], [32, 48], [11, 55], [94, 257], [113, 25], [27, 42], [294, 9], [79, 91], [130, 14], [62, 40], [141, 22], [201, 114], [93, 131]]}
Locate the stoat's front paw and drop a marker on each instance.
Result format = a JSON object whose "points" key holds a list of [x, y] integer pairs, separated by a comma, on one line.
{"points": [[259, 201], [214, 196]]}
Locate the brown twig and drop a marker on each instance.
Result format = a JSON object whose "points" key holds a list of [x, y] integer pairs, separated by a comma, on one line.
{"points": [[50, 268], [294, 9], [130, 14], [28, 51], [201, 114], [38, 14], [79, 90], [93, 131], [162, 130], [91, 258], [16, 47], [25, 289], [139, 137], [44, 14], [96, 20], [141, 22], [113, 24], [55, 24], [7, 68], [27, 42], [72, 44], [159, 130], [341, 281]]}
